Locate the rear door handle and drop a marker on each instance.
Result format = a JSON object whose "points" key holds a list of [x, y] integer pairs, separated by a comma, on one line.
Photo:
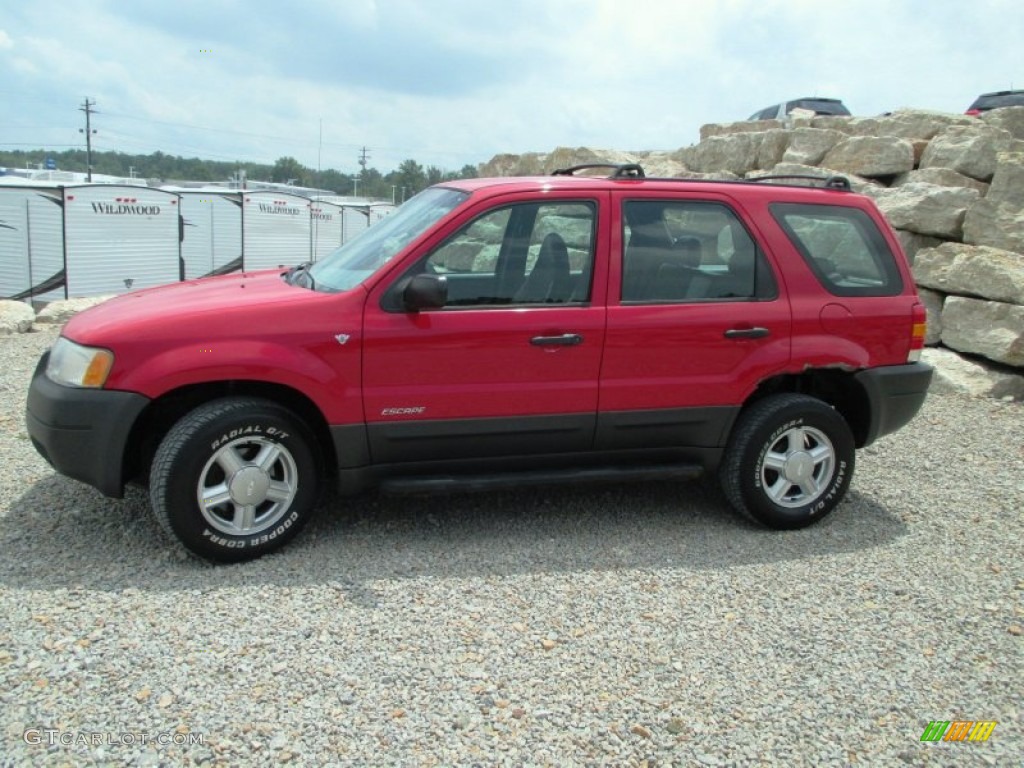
{"points": [[746, 333], [565, 340]]}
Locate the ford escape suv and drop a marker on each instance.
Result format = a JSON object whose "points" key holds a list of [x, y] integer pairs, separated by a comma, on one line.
{"points": [[497, 332]]}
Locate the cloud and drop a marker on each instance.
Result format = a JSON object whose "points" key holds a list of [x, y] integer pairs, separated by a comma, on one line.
{"points": [[456, 81]]}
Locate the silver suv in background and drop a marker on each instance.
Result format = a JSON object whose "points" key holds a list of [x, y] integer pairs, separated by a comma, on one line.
{"points": [[996, 100], [816, 104]]}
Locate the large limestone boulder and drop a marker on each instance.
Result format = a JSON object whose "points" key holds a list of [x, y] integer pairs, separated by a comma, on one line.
{"points": [[743, 126], [972, 270], [736, 153], [912, 124], [1008, 119], [567, 157], [59, 312], [1008, 181], [15, 317], [1000, 225], [991, 329], [913, 243], [943, 177], [773, 147], [543, 163], [513, 165], [808, 146], [717, 176], [954, 373], [933, 308], [928, 209], [871, 156], [661, 164], [970, 149]]}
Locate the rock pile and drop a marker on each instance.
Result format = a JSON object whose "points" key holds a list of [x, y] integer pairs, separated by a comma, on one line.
{"points": [[19, 317], [951, 185]]}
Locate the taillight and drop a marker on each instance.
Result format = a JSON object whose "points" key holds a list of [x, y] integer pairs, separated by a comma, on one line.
{"points": [[973, 112], [918, 328]]}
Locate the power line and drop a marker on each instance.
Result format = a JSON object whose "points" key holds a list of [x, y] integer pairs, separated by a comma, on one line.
{"points": [[36, 145], [293, 140]]}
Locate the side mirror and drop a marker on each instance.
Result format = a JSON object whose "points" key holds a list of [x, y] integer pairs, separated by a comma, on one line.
{"points": [[425, 292]]}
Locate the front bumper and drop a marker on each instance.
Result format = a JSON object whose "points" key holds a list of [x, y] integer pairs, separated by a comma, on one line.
{"points": [[82, 433], [895, 394]]}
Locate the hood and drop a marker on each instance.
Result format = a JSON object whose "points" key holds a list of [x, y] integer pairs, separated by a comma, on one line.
{"points": [[207, 303]]}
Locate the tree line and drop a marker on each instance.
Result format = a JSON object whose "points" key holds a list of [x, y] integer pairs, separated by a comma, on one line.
{"points": [[409, 178]]}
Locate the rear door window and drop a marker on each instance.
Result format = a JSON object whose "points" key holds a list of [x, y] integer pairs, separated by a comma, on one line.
{"points": [[688, 251], [843, 247]]}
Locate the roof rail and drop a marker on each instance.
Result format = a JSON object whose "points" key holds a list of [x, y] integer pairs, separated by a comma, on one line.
{"points": [[621, 170], [831, 182]]}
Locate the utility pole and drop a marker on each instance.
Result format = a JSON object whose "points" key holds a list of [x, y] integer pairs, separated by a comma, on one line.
{"points": [[364, 155], [87, 108]]}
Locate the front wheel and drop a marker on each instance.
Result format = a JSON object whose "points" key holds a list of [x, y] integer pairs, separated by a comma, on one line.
{"points": [[789, 461], [235, 479]]}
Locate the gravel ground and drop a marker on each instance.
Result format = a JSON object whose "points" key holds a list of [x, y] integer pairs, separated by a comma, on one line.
{"points": [[624, 625]]}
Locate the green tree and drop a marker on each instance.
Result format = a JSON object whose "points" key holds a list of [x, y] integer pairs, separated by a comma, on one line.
{"points": [[288, 169], [411, 177], [372, 184], [333, 180], [434, 175]]}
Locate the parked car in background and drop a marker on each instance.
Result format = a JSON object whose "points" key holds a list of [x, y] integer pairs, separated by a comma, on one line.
{"points": [[995, 100], [816, 104]]}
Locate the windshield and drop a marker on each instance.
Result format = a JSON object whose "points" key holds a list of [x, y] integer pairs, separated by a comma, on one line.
{"points": [[347, 266]]}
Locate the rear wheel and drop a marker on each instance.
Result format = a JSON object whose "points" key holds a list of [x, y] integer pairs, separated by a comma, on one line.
{"points": [[234, 479], [789, 462]]}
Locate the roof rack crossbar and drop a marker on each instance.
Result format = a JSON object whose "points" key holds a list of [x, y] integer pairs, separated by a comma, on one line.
{"points": [[620, 170], [831, 182]]}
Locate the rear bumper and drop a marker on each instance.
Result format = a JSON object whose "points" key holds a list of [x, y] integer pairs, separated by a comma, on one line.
{"points": [[895, 394], [82, 433]]}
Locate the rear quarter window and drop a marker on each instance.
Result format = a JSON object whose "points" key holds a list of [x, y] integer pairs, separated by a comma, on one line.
{"points": [[843, 248]]}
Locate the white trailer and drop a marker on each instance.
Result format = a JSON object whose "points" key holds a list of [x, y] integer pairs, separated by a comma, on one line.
{"points": [[211, 233], [379, 211], [275, 230], [31, 242], [119, 238], [325, 220], [355, 220]]}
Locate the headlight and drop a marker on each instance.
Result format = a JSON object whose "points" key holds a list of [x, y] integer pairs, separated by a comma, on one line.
{"points": [[76, 366]]}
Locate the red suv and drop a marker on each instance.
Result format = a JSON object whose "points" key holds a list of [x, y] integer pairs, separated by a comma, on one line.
{"points": [[497, 332]]}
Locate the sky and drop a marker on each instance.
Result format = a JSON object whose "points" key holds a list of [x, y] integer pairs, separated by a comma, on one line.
{"points": [[455, 82]]}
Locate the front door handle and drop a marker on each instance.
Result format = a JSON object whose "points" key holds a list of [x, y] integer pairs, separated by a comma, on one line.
{"points": [[746, 333], [565, 340]]}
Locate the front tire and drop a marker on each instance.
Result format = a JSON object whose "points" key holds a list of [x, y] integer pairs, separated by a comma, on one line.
{"points": [[235, 479], [789, 462]]}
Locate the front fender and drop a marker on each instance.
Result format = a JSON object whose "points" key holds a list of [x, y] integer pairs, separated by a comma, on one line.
{"points": [[333, 388]]}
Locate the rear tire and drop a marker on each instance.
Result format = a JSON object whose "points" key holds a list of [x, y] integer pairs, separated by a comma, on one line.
{"points": [[235, 479], [789, 461]]}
